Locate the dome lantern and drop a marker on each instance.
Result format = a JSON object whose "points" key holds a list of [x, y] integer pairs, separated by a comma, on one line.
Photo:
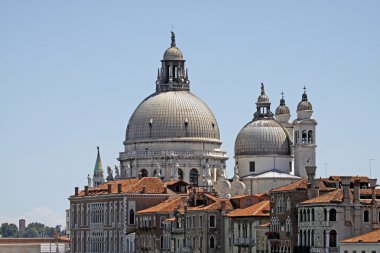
{"points": [[262, 106], [173, 75]]}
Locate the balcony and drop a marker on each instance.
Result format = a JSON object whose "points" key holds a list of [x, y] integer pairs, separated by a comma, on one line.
{"points": [[273, 235], [244, 242]]}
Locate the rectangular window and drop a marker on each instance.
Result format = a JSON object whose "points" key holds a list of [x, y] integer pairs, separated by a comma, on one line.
{"points": [[212, 222], [200, 221], [252, 166]]}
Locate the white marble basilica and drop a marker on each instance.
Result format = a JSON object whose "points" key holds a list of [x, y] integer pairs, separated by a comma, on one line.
{"points": [[174, 135]]}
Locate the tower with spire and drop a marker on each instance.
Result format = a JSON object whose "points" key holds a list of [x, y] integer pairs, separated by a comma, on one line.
{"points": [[98, 177], [304, 137]]}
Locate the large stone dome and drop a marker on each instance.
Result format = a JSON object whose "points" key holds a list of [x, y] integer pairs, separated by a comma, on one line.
{"points": [[262, 137], [172, 116]]}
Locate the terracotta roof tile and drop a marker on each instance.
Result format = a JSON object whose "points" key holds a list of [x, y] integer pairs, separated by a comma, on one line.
{"points": [[371, 237], [300, 184], [363, 179], [153, 185], [261, 209], [331, 197], [167, 206]]}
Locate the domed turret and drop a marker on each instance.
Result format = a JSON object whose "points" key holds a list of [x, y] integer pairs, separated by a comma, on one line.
{"points": [[282, 113], [304, 108]]}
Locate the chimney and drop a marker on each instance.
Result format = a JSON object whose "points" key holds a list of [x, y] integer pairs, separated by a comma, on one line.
{"points": [[86, 190], [118, 188], [372, 185], [317, 182], [309, 191], [76, 191], [346, 188], [310, 170], [357, 191], [165, 189], [109, 188], [223, 206], [143, 190]]}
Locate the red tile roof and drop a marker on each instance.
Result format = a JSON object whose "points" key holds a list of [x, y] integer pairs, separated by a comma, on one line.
{"points": [[300, 184], [167, 206], [261, 209], [371, 237], [150, 185]]}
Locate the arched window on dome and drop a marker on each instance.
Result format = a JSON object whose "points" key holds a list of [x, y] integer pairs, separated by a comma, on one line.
{"points": [[180, 174], [310, 138], [194, 177], [143, 173], [304, 137]]}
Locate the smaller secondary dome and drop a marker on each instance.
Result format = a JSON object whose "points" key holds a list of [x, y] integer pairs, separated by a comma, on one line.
{"points": [[173, 54], [262, 137], [304, 105], [282, 108]]}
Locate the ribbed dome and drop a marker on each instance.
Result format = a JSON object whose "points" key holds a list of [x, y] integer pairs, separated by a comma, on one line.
{"points": [[282, 109], [172, 116], [262, 137], [173, 53], [304, 105], [263, 99]]}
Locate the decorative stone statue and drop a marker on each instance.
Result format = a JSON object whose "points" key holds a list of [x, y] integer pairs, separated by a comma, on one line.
{"points": [[158, 170], [109, 172], [117, 174], [89, 180], [128, 171]]}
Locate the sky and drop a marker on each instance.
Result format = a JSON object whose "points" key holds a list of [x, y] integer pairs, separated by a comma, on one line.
{"points": [[72, 73]]}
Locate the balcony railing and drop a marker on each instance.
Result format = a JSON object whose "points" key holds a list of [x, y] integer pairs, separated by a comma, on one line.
{"points": [[272, 235], [244, 241]]}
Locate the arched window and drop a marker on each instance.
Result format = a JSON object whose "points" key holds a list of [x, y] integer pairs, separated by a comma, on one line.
{"points": [[308, 214], [143, 173], [194, 176], [366, 216], [324, 238], [131, 217], [310, 136], [332, 216], [312, 238], [212, 242], [312, 215], [304, 215], [180, 174], [304, 137], [332, 238], [162, 242], [325, 214]]}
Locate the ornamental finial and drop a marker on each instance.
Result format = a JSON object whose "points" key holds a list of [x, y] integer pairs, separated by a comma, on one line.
{"points": [[262, 89], [173, 40]]}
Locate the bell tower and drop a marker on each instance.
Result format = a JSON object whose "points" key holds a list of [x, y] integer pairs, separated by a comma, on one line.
{"points": [[304, 137]]}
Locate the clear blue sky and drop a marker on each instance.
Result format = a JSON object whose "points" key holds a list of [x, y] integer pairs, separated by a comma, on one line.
{"points": [[72, 72]]}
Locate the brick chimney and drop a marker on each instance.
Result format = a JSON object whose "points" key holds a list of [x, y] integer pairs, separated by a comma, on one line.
{"points": [[346, 180], [118, 188], [143, 190], [109, 188], [76, 191], [86, 190], [223, 206], [317, 182], [310, 170]]}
